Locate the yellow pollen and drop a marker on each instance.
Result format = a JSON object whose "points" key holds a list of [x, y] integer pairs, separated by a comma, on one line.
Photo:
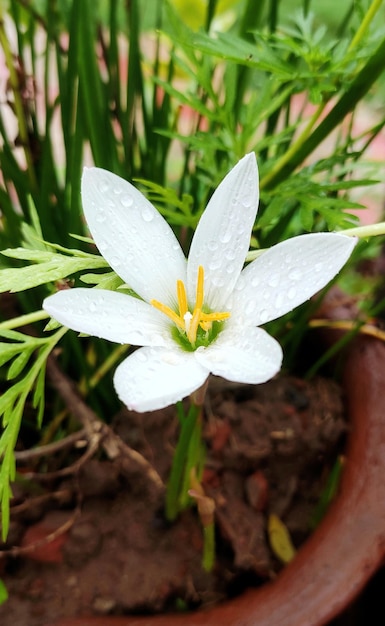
{"points": [[186, 321]]}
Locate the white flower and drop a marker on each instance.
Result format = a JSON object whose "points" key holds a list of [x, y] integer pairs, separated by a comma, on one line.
{"points": [[196, 316]]}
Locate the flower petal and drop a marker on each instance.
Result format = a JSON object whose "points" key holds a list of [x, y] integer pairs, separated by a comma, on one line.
{"points": [[242, 354], [222, 237], [287, 275], [152, 378], [132, 236], [110, 315]]}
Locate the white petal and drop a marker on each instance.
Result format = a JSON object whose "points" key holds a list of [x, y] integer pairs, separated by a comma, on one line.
{"points": [[152, 378], [287, 275], [242, 354], [110, 315], [222, 237], [132, 236]]}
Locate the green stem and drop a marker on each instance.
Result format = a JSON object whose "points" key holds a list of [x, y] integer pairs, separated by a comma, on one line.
{"points": [[208, 558], [180, 461], [365, 231], [365, 23], [23, 320], [107, 365]]}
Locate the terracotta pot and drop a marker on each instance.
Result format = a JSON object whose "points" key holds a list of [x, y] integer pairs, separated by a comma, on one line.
{"points": [[345, 550]]}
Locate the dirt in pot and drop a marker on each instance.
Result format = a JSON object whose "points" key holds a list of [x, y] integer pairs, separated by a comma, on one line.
{"points": [[93, 539]]}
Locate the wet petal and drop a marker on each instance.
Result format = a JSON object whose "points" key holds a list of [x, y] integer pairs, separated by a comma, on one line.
{"points": [[222, 237], [242, 354], [132, 236], [152, 378], [287, 275], [109, 315]]}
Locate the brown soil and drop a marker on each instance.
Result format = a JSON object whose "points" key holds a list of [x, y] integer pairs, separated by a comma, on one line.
{"points": [[96, 541]]}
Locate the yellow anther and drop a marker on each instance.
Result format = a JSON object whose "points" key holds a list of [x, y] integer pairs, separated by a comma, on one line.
{"points": [[182, 298], [193, 326], [169, 312], [200, 291], [215, 317]]}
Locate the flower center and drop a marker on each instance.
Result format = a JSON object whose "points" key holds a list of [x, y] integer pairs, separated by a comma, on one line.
{"points": [[195, 325]]}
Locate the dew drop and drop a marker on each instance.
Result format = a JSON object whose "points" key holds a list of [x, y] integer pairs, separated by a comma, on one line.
{"points": [[273, 280], [225, 237], [126, 200], [212, 245], [246, 202], [292, 293], [218, 281], [230, 267], [295, 274], [230, 255], [100, 217], [215, 264], [147, 215], [92, 307], [250, 307], [264, 316], [241, 283], [279, 300], [103, 186], [255, 281], [318, 267]]}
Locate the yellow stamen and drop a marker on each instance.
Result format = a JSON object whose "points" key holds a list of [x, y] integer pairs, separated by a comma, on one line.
{"points": [[200, 291], [182, 298], [193, 327], [169, 312], [214, 317]]}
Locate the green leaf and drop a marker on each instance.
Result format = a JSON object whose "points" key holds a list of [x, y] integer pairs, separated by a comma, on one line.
{"points": [[56, 267], [3, 592], [19, 363]]}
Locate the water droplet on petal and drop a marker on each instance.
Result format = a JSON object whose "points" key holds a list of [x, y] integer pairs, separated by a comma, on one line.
{"points": [[215, 264], [318, 267], [295, 274], [225, 237], [212, 245], [246, 202], [292, 293], [126, 200], [264, 316], [279, 300], [273, 280], [92, 307], [249, 308], [230, 255], [100, 217], [147, 215], [103, 186], [255, 281], [218, 281], [241, 283]]}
